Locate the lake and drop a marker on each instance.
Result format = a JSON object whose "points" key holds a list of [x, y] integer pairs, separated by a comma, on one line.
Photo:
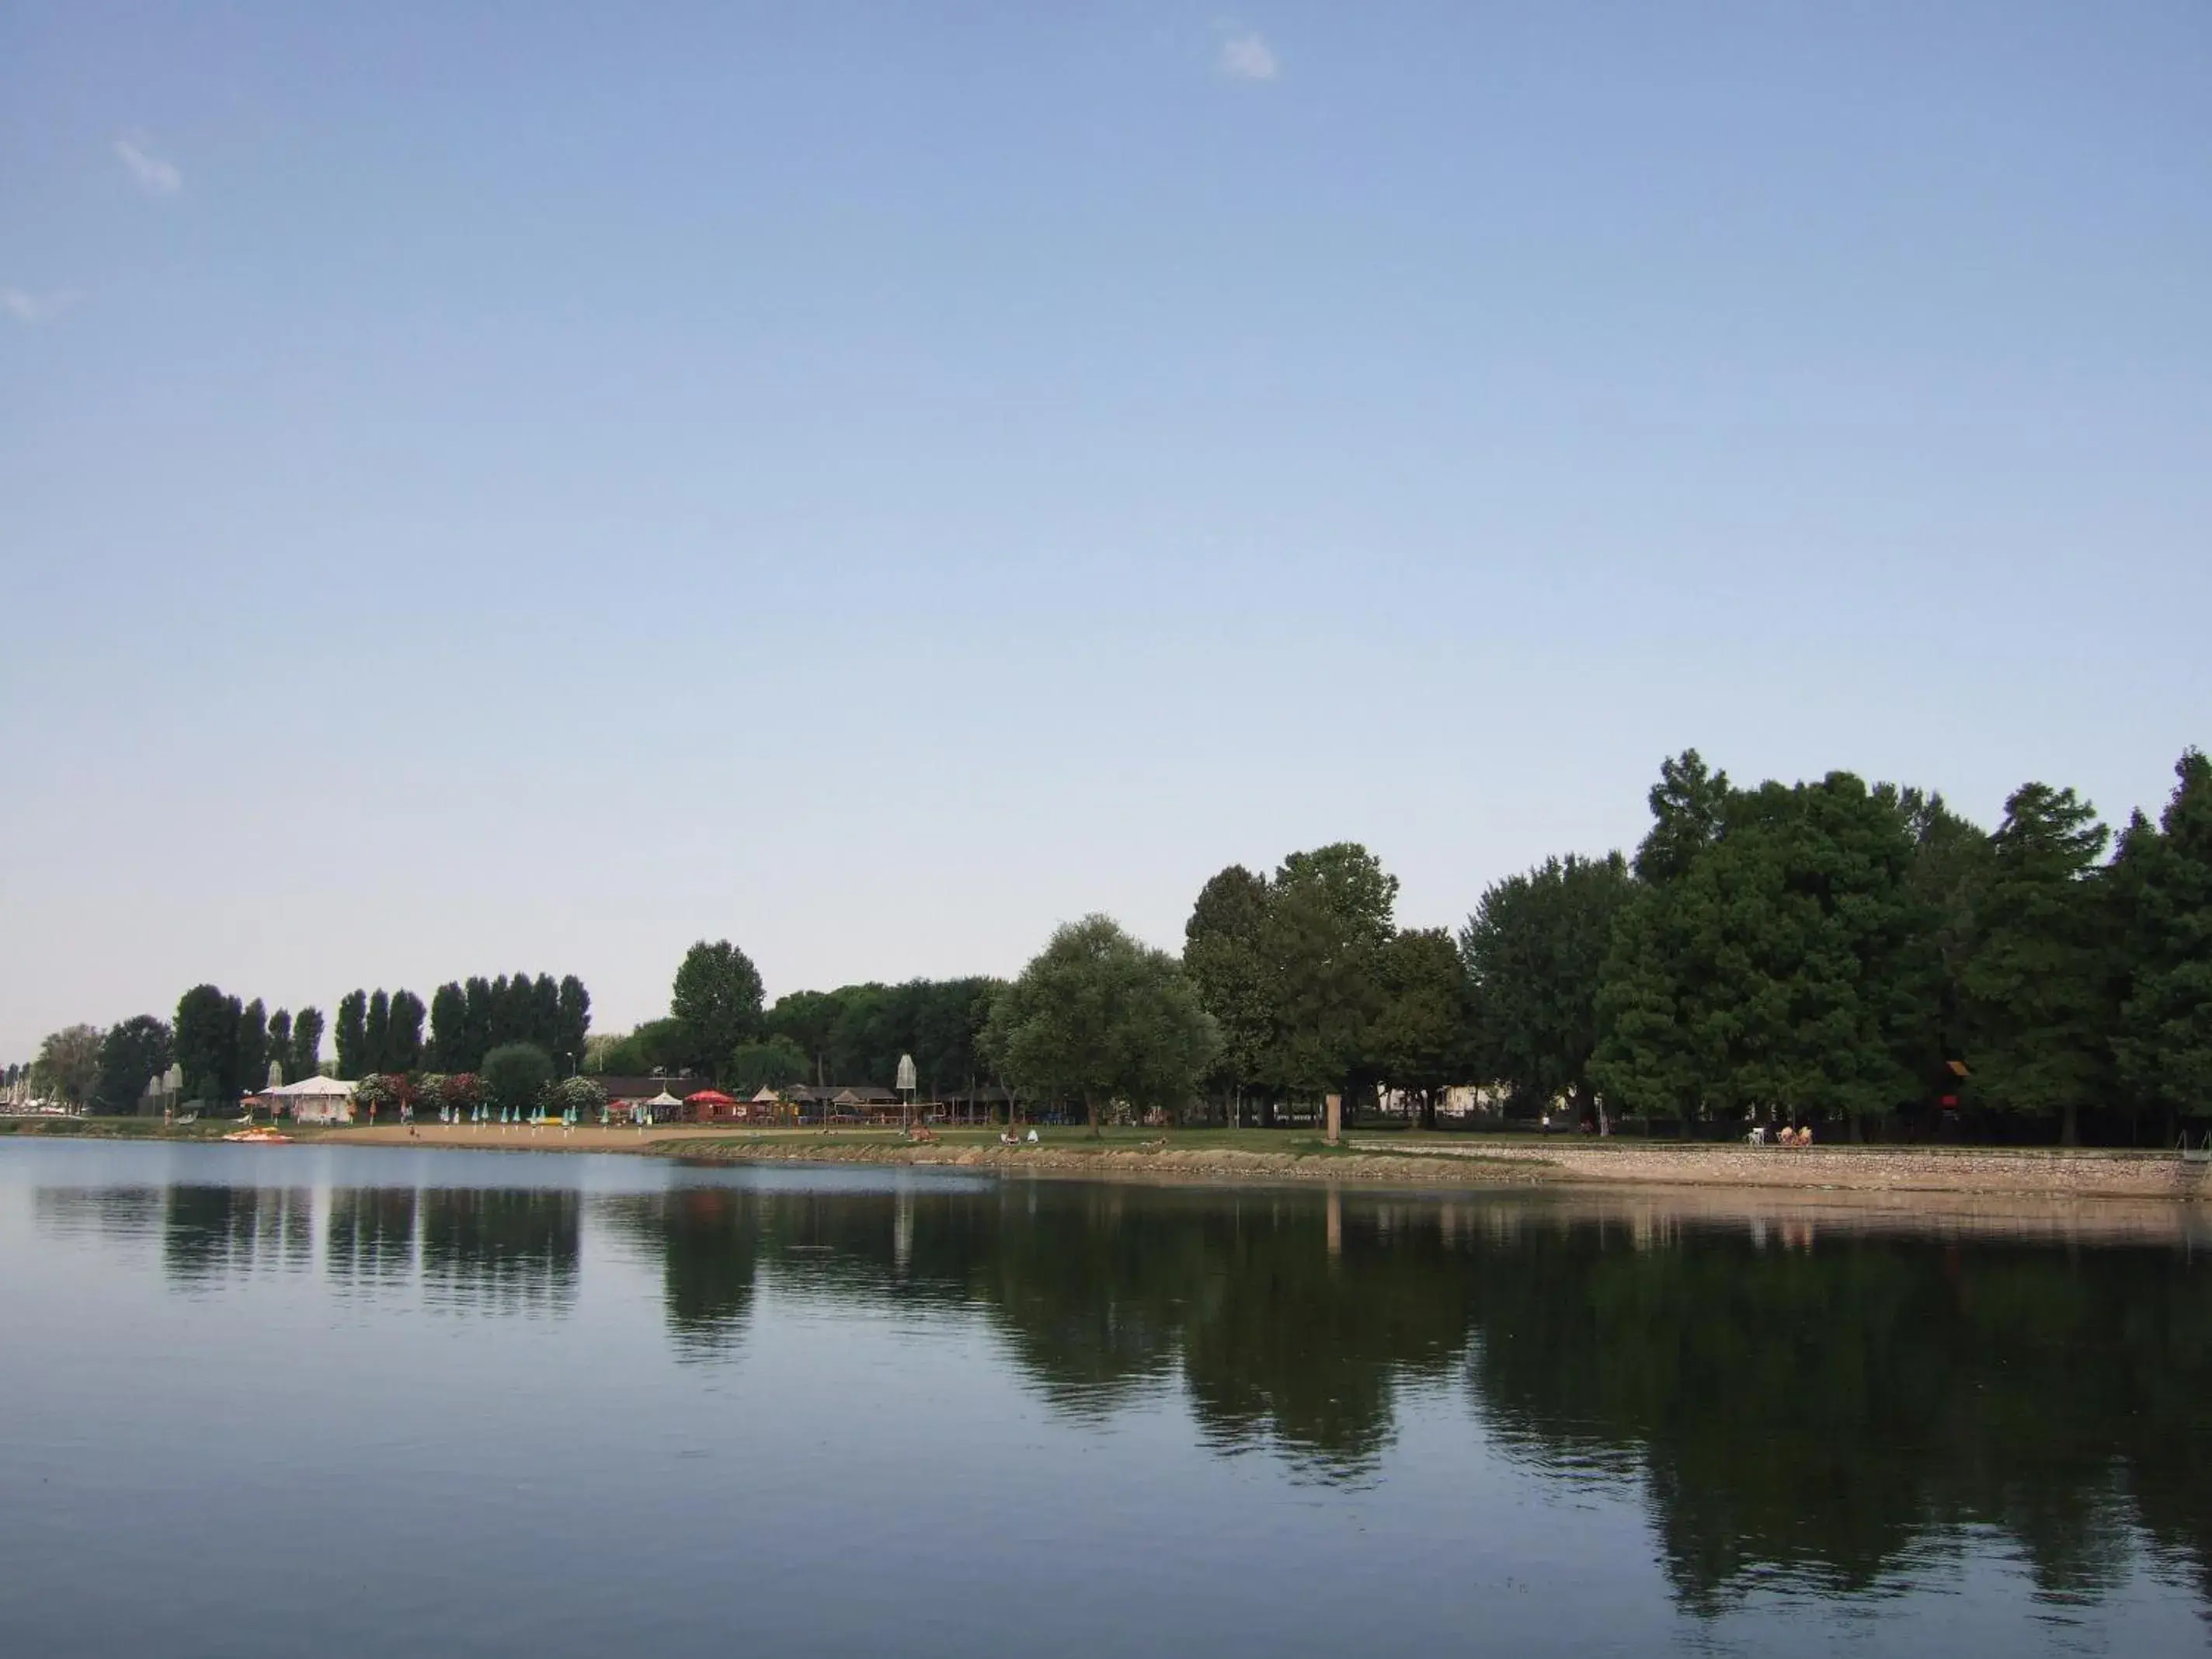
{"points": [[348, 1400]]}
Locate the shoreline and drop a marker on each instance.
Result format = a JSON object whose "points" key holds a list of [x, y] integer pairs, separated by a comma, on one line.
{"points": [[1222, 1157], [1985, 1172]]}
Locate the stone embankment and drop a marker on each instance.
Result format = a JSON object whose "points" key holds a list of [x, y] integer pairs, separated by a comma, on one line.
{"points": [[2043, 1174], [1375, 1160]]}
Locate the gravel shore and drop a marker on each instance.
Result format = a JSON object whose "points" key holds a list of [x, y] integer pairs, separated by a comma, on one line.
{"points": [[1372, 1160]]}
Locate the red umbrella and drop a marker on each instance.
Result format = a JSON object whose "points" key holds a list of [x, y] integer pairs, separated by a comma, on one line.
{"points": [[709, 1097]]}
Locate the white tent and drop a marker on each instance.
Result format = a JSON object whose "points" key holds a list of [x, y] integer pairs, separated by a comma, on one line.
{"points": [[316, 1100]]}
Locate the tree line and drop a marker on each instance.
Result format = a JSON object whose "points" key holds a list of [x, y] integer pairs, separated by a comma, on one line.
{"points": [[719, 1027], [224, 1047], [1833, 952], [384, 1035]]}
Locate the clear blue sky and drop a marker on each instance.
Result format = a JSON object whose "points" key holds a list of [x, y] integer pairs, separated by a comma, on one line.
{"points": [[516, 487]]}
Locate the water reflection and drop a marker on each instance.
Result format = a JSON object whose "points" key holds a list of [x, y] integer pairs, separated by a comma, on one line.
{"points": [[371, 1237], [1824, 1412], [1803, 1399], [212, 1233], [706, 1238], [503, 1250]]}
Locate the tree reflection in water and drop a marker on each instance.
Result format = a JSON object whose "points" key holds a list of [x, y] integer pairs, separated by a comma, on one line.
{"points": [[707, 1238], [211, 1233], [370, 1239], [502, 1250], [1820, 1410], [1798, 1402]]}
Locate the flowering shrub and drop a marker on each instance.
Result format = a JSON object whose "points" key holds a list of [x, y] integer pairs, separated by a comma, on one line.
{"points": [[462, 1091], [578, 1094]]}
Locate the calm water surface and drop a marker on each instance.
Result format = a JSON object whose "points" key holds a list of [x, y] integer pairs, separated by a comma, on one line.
{"points": [[355, 1400]]}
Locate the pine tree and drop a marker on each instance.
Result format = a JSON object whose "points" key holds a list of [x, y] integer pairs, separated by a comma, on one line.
{"points": [[2039, 1009], [2165, 883]]}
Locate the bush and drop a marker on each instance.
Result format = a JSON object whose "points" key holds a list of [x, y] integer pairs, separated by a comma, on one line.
{"points": [[515, 1074], [579, 1095]]}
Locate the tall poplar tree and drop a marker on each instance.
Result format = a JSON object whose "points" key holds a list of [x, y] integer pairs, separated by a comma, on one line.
{"points": [[280, 1043], [576, 1024], [307, 1044], [252, 1058], [403, 1042], [352, 1035], [449, 1018], [376, 1032]]}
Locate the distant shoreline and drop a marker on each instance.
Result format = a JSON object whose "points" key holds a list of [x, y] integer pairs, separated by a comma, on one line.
{"points": [[1370, 1158], [1258, 1156]]}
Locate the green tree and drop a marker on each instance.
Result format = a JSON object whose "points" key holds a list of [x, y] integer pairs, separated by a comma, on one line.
{"points": [[68, 1066], [1097, 1017], [1949, 878], [1223, 952], [376, 1032], [716, 1002], [2165, 1037], [1419, 1040], [574, 1025], [449, 1034], [352, 1035], [307, 1044], [131, 1054], [2038, 1009], [1328, 918], [777, 1063], [280, 1044], [545, 1013], [206, 1044], [516, 1074], [809, 1019], [1784, 968], [1688, 807], [403, 1042], [1535, 949], [480, 1007], [253, 1054], [656, 1046]]}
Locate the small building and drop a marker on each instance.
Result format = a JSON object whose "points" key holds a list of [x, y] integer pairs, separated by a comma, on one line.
{"points": [[713, 1106], [313, 1100], [628, 1095], [862, 1102]]}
